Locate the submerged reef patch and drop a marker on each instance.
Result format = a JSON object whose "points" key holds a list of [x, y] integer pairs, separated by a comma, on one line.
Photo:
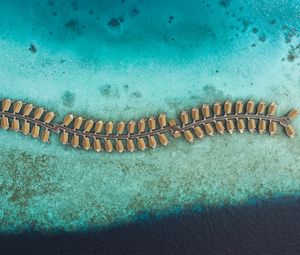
{"points": [[293, 53], [68, 98], [107, 90], [33, 48], [224, 3], [114, 23], [31, 176]]}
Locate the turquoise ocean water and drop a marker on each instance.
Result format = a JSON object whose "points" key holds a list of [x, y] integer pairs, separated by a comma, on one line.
{"points": [[123, 60]]}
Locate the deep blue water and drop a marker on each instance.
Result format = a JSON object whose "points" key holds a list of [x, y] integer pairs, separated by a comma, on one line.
{"points": [[268, 227]]}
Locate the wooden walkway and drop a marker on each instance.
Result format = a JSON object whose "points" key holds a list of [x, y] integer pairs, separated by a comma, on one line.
{"points": [[145, 133]]}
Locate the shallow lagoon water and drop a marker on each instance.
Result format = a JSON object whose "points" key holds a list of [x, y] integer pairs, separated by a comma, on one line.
{"points": [[122, 61]]}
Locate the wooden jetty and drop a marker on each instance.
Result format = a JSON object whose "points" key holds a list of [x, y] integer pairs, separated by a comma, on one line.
{"points": [[145, 133]]}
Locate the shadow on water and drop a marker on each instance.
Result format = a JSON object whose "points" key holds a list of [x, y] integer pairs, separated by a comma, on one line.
{"points": [[268, 227]]}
